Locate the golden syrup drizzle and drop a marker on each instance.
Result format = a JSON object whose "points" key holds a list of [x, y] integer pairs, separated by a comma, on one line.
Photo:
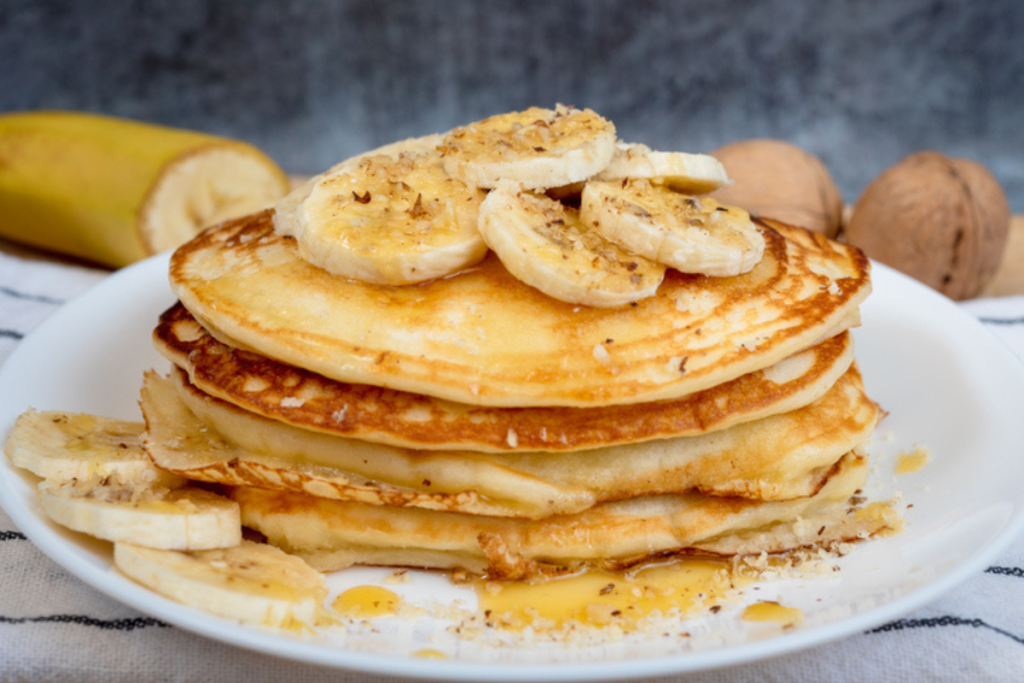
{"points": [[429, 654], [367, 601], [291, 623], [327, 619], [598, 598], [913, 461], [773, 612]]}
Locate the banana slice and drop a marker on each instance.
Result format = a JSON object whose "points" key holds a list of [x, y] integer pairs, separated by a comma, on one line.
{"points": [[692, 235], [390, 221], [180, 519], [286, 211], [426, 143], [538, 148], [688, 173], [64, 447], [543, 243], [251, 582]]}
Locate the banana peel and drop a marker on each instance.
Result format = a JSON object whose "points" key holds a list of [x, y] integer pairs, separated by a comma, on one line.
{"points": [[114, 191]]}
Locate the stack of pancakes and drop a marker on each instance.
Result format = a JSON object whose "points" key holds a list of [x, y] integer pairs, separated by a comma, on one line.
{"points": [[474, 423]]}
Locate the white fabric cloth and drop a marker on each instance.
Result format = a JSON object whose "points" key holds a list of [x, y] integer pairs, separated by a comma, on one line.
{"points": [[55, 628]]}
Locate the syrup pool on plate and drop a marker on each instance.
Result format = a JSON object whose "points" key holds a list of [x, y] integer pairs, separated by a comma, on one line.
{"points": [[773, 612], [367, 601], [598, 598], [911, 462]]}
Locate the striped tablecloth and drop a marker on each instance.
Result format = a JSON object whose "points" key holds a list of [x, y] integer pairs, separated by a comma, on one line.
{"points": [[55, 628]]}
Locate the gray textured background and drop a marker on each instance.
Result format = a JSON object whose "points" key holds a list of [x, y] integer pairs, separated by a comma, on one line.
{"points": [[860, 83]]}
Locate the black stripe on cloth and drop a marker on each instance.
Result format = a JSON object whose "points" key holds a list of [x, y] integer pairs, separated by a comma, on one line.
{"points": [[937, 622], [12, 536], [31, 297], [11, 334], [1006, 571], [1002, 321], [106, 624]]}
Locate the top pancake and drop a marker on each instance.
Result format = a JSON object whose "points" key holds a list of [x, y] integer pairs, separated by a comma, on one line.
{"points": [[482, 337]]}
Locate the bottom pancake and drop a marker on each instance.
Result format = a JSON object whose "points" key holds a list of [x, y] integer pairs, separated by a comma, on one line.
{"points": [[331, 535]]}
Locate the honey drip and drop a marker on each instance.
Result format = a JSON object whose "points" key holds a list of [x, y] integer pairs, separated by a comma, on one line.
{"points": [[294, 625], [912, 462], [367, 602], [603, 599], [773, 612]]}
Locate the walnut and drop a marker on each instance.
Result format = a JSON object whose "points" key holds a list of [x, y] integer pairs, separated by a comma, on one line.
{"points": [[940, 220], [777, 179]]}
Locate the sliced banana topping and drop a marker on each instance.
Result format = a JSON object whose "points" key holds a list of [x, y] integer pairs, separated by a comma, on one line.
{"points": [[64, 447], [426, 143], [286, 211], [403, 213], [688, 173], [391, 221], [179, 519], [251, 582], [693, 235], [543, 243], [537, 148]]}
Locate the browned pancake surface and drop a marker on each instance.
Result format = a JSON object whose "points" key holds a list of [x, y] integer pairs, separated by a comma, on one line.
{"points": [[307, 399], [778, 457]]}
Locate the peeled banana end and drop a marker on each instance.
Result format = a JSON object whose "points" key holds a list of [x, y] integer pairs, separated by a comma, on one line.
{"points": [[204, 187]]}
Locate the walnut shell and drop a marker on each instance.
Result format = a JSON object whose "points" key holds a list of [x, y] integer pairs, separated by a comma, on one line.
{"points": [[940, 220], [780, 180]]}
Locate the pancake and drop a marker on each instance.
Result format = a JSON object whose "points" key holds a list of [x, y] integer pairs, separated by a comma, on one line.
{"points": [[482, 337], [331, 534], [306, 399], [779, 457]]}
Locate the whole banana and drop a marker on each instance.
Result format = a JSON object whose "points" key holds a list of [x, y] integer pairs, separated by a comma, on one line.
{"points": [[114, 191]]}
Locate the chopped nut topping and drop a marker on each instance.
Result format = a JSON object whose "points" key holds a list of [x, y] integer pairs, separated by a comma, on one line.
{"points": [[417, 210]]}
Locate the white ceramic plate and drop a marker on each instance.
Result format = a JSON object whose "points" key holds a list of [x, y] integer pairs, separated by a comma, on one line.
{"points": [[948, 384]]}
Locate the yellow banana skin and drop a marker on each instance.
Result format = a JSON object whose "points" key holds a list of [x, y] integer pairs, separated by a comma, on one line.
{"points": [[78, 183]]}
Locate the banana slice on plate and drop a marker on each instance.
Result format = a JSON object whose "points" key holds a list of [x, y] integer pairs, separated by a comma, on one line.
{"points": [[692, 235], [63, 447], [679, 171], [543, 243], [537, 148], [179, 519], [251, 582], [388, 220]]}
